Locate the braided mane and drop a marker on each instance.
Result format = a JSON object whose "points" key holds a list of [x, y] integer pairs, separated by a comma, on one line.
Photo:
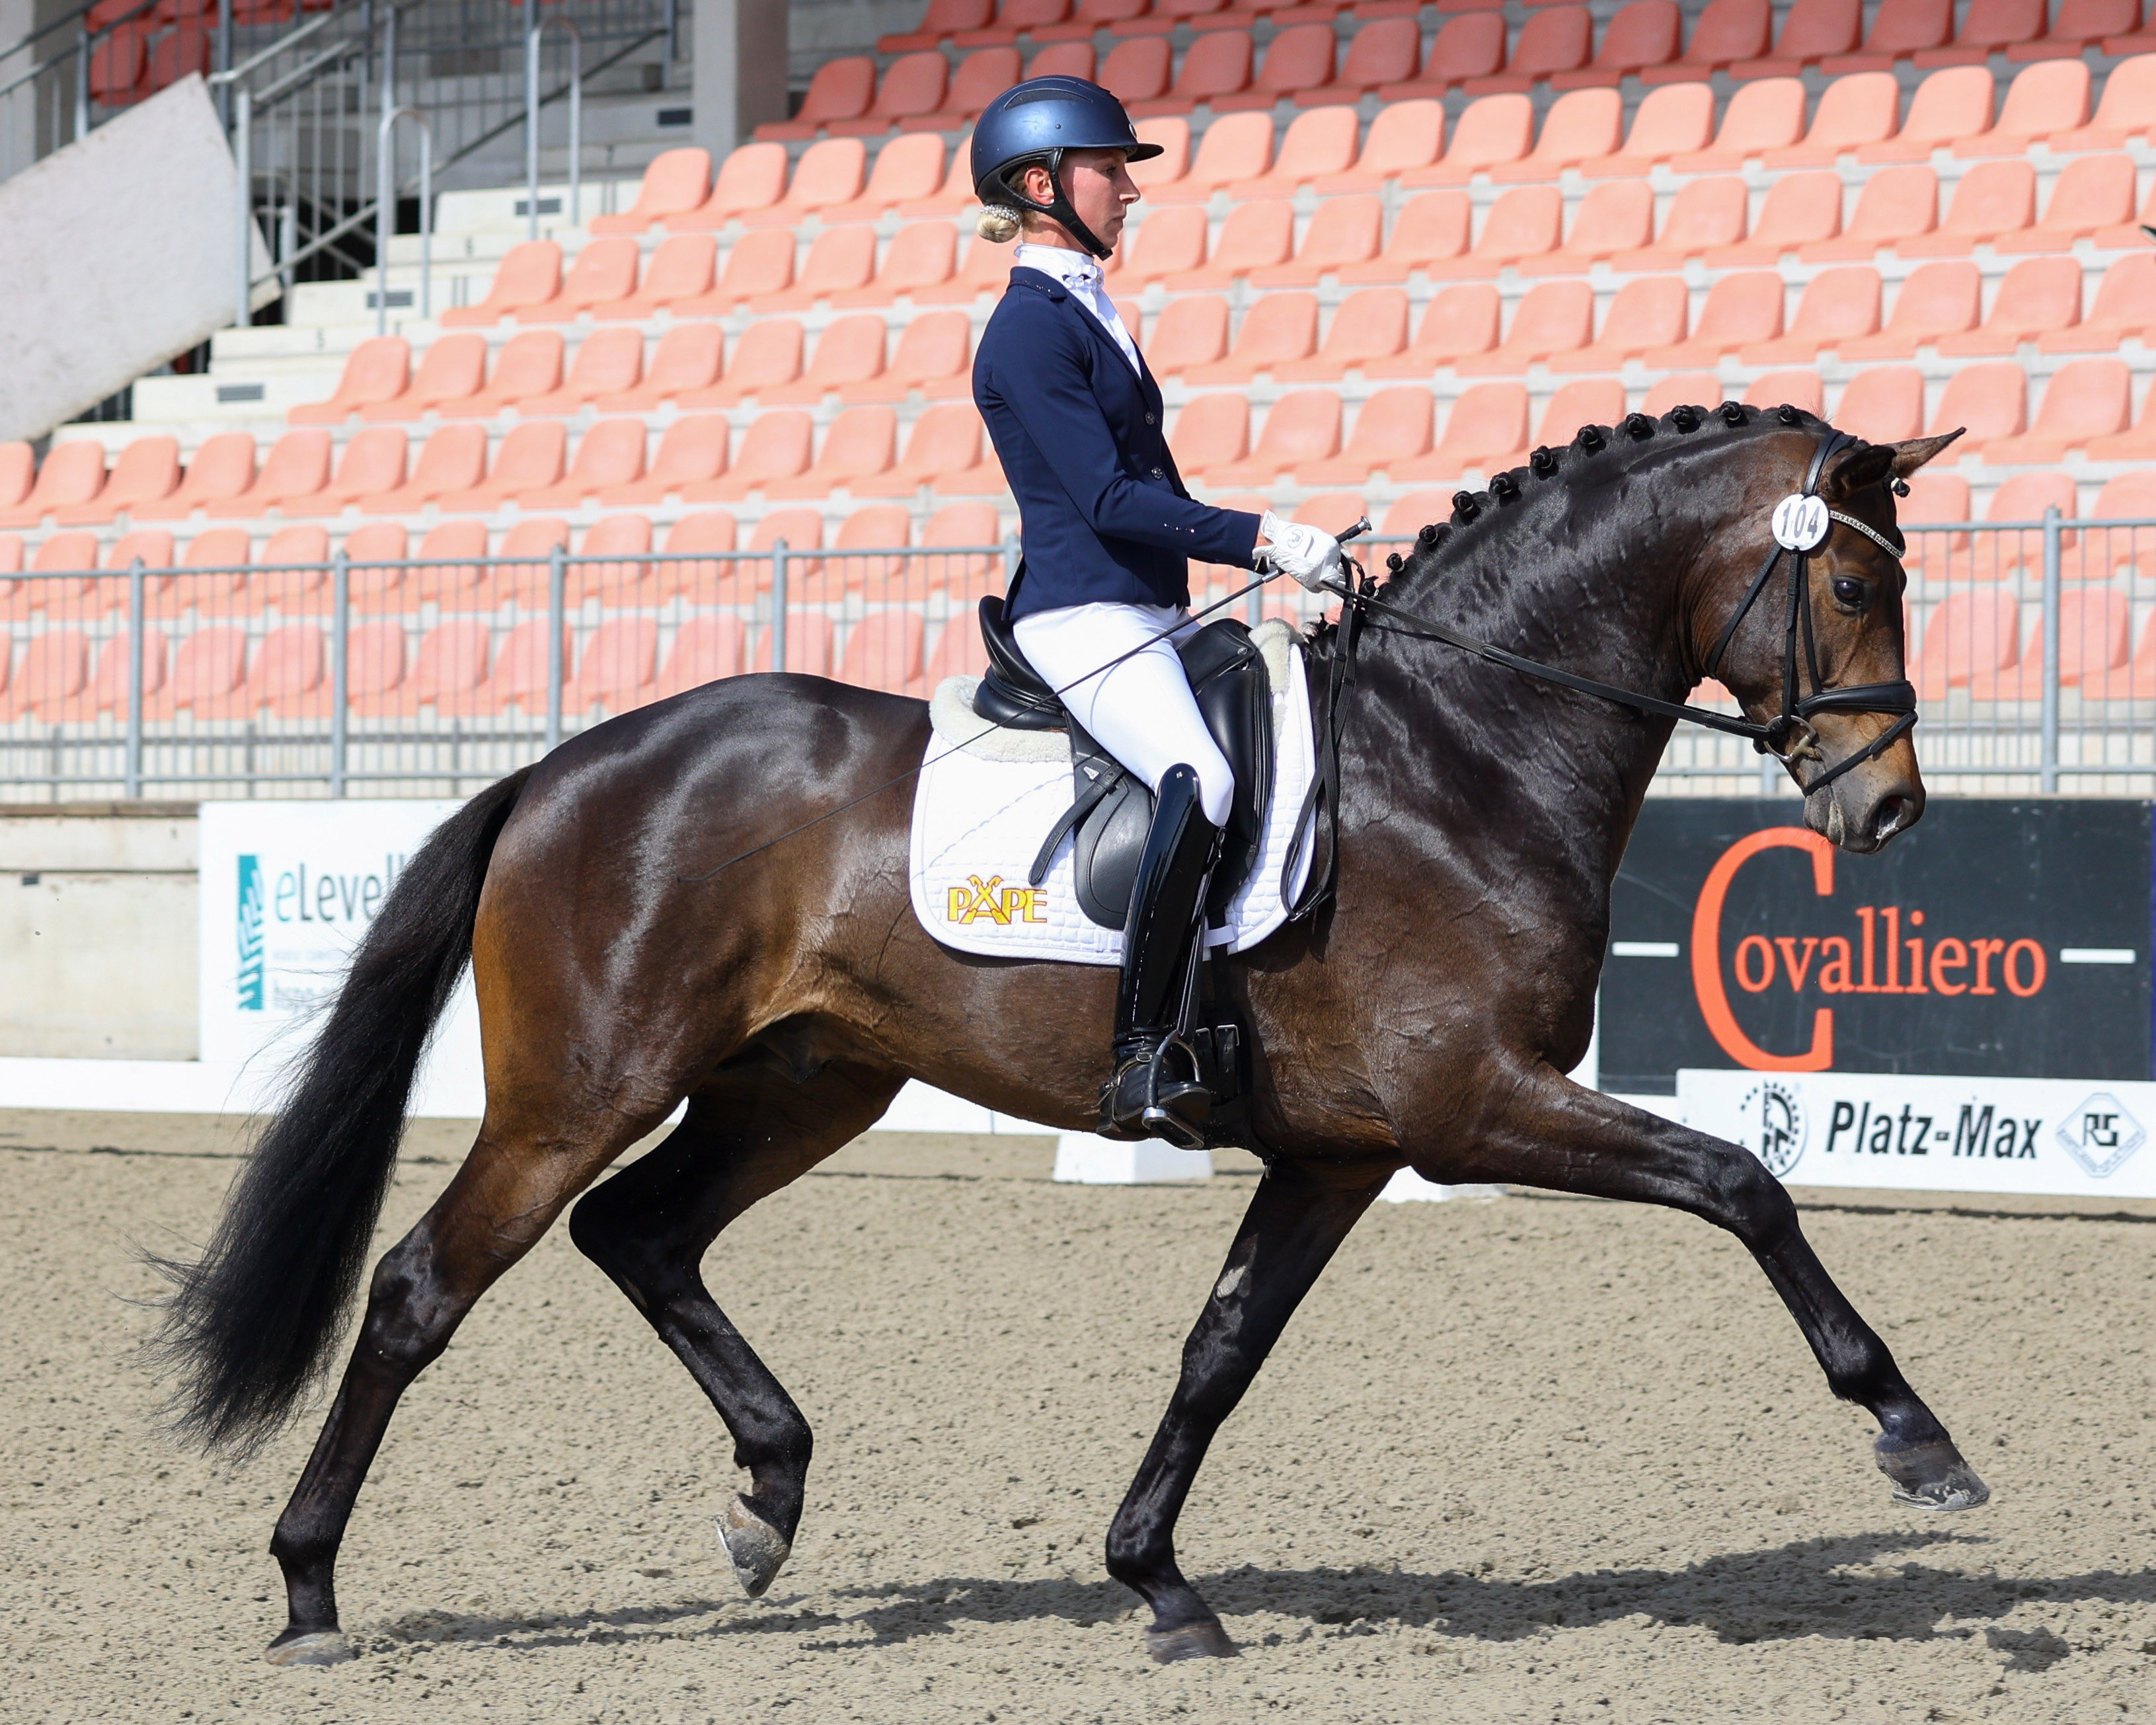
{"points": [[1475, 514]]}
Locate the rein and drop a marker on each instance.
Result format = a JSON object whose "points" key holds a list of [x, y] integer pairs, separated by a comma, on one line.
{"points": [[1801, 525]]}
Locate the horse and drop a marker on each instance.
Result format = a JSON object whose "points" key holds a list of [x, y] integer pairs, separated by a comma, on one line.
{"points": [[706, 900]]}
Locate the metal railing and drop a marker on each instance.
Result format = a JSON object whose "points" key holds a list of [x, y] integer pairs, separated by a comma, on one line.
{"points": [[2034, 656]]}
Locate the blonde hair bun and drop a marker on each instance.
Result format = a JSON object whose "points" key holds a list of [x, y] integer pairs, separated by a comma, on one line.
{"points": [[998, 223]]}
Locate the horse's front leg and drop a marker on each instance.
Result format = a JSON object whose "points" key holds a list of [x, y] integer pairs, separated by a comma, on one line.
{"points": [[1560, 1135], [1295, 1221]]}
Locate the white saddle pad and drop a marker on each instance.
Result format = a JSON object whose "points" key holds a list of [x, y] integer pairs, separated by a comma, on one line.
{"points": [[984, 804]]}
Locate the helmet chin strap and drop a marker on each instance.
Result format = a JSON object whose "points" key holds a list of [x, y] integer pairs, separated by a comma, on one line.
{"points": [[1058, 209]]}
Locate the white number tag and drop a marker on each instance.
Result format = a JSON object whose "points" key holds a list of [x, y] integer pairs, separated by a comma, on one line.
{"points": [[1801, 523]]}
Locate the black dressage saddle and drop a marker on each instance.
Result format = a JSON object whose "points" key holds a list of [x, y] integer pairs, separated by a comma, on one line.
{"points": [[1111, 809]]}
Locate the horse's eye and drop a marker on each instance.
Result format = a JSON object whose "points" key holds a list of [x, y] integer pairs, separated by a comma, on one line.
{"points": [[1848, 590]]}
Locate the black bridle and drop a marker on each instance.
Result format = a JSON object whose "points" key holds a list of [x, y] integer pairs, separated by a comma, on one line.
{"points": [[1788, 736]]}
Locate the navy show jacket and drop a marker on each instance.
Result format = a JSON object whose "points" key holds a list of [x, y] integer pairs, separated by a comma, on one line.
{"points": [[1103, 513]]}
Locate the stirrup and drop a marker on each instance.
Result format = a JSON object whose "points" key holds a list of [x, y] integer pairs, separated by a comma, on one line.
{"points": [[1156, 1115]]}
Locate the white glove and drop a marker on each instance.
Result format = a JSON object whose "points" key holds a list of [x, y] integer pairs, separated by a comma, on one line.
{"points": [[1303, 552]]}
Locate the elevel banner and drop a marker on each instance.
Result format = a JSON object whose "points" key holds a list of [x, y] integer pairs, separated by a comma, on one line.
{"points": [[2033, 1136], [1996, 938], [288, 888]]}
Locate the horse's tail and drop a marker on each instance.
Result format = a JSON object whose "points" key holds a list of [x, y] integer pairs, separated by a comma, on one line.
{"points": [[249, 1326]]}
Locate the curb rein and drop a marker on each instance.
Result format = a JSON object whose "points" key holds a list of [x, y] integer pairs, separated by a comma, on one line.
{"points": [[1801, 524]]}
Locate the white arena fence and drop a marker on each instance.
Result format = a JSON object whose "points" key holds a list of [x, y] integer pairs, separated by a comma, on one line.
{"points": [[2033, 651]]}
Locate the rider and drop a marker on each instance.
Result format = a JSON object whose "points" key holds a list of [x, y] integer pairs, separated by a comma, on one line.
{"points": [[1077, 420]]}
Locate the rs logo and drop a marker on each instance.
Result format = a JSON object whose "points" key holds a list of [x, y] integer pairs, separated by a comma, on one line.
{"points": [[979, 898]]}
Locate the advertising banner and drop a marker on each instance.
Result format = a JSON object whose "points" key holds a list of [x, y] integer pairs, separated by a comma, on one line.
{"points": [[2032, 1136], [1996, 938], [288, 889]]}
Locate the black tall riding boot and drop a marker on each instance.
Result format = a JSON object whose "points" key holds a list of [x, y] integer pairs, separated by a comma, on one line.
{"points": [[1155, 1091]]}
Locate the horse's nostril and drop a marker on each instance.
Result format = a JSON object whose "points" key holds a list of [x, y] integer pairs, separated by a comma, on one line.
{"points": [[1892, 814]]}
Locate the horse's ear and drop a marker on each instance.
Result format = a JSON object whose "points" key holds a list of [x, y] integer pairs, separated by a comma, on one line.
{"points": [[1876, 464]]}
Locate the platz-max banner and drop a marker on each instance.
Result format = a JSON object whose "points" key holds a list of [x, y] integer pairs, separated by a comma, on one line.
{"points": [[2033, 1136], [1996, 939]]}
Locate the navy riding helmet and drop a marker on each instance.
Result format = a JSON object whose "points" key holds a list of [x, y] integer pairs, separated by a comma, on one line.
{"points": [[1036, 121]]}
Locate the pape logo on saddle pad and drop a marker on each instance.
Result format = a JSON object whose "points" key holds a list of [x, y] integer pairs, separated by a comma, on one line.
{"points": [[978, 899]]}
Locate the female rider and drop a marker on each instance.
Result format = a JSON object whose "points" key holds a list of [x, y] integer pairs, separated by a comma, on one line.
{"points": [[1076, 417]]}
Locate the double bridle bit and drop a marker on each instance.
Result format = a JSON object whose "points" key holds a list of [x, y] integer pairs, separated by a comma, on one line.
{"points": [[1801, 525]]}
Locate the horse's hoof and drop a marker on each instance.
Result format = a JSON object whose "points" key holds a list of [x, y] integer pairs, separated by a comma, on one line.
{"points": [[1190, 1640], [314, 1647], [1931, 1476], [753, 1546]]}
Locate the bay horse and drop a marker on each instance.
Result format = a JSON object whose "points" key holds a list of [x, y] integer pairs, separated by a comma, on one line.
{"points": [[634, 948]]}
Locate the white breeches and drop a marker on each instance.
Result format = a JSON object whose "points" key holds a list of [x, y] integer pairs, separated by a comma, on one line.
{"points": [[1142, 710]]}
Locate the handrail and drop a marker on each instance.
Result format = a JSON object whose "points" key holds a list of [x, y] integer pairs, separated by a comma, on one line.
{"points": [[385, 211], [532, 104], [321, 20], [79, 46]]}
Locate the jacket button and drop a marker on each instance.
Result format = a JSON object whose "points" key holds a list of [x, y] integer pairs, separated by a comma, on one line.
{"points": [[1150, 420], [1158, 474]]}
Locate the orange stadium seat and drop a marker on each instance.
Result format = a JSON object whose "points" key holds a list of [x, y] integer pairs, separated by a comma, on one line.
{"points": [[1345, 231], [877, 528], [1557, 38], [2091, 194], [1937, 501], [212, 576], [2125, 307], [2049, 100], [290, 574], [861, 443], [1582, 126], [766, 355], [1524, 223], [1647, 314], [1990, 401], [1763, 116], [1303, 426], [609, 361], [1167, 243], [884, 651], [705, 649], [943, 19], [1990, 26], [1899, 28], [922, 254], [977, 80], [1679, 389], [619, 669], [1551, 318], [1211, 431], [1800, 209], [1947, 106], [604, 270], [1387, 51], [1253, 236], [2079, 25], [911, 88], [1487, 429], [1490, 132], [1860, 109], [829, 173], [71, 477], [1795, 387], [1935, 300], [849, 351], [1391, 427], [1642, 34], [1278, 328], [1370, 324], [1811, 31], [1839, 305], [1320, 143], [610, 454], [753, 177], [378, 589], [2131, 496], [2085, 400], [1430, 231], [530, 273], [150, 546], [1613, 218], [207, 672], [1705, 214], [1883, 403], [18, 472], [373, 462], [777, 446], [1969, 635], [2037, 297], [451, 663], [453, 368], [700, 536], [1739, 310], [1171, 133], [839, 259], [1725, 32], [1298, 61], [535, 538], [1235, 147], [689, 357], [675, 182], [2128, 110], [52, 679], [841, 89], [1592, 401], [1896, 206], [933, 356], [450, 579], [376, 371], [1456, 322], [1218, 63], [628, 582], [2137, 445], [956, 525], [803, 531], [761, 262], [907, 170], [223, 468], [985, 270], [145, 471], [943, 452], [1408, 133], [529, 365], [1138, 71], [1992, 199], [808, 641], [1671, 121], [691, 450], [529, 459], [1191, 332]]}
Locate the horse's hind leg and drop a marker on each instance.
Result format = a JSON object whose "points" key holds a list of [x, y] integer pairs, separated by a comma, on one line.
{"points": [[750, 1131], [508, 1193], [1564, 1136], [1289, 1233]]}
